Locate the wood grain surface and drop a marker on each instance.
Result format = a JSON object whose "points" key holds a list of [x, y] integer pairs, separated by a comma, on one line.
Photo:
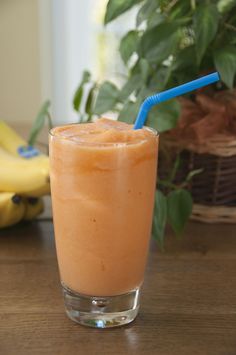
{"points": [[188, 301]]}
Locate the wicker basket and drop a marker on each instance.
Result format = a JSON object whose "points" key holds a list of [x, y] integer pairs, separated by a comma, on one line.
{"points": [[213, 190]]}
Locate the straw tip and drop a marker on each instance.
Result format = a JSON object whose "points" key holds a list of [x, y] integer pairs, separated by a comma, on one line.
{"points": [[216, 75]]}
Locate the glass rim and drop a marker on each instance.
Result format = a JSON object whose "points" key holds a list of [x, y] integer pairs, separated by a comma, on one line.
{"points": [[100, 144]]}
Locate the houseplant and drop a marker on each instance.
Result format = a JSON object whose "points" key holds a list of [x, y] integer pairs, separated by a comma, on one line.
{"points": [[173, 42]]}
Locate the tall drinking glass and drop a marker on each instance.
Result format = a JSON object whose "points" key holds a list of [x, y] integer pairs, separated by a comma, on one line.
{"points": [[103, 179]]}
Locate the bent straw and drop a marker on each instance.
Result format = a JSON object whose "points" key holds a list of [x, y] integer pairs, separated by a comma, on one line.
{"points": [[153, 100]]}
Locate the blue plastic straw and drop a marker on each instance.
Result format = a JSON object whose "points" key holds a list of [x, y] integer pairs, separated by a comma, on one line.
{"points": [[169, 94]]}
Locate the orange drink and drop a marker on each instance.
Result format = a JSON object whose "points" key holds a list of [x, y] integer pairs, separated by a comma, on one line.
{"points": [[103, 180]]}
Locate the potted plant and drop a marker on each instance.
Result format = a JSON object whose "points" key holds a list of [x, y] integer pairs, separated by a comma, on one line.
{"points": [[174, 42]]}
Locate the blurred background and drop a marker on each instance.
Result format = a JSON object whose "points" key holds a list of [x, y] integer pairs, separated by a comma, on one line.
{"points": [[45, 46]]}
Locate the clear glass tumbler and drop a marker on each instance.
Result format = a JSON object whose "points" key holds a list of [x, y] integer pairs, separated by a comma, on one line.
{"points": [[103, 197]]}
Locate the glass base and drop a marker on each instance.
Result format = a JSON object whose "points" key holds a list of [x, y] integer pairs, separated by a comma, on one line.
{"points": [[101, 312]]}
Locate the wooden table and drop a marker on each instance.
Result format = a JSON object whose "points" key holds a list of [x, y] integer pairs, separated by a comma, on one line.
{"points": [[188, 303]]}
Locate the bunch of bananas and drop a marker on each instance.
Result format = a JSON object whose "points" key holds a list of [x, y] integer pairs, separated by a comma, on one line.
{"points": [[24, 178]]}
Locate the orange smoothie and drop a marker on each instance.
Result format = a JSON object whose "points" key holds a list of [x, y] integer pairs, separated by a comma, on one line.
{"points": [[103, 179]]}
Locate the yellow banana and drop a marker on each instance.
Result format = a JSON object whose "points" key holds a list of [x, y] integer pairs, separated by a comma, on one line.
{"points": [[12, 209], [23, 177], [14, 144], [9, 139], [33, 207]]}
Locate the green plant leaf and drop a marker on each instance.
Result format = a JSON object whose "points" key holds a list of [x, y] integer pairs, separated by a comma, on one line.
{"points": [[39, 122], [167, 184], [77, 98], [141, 68], [144, 68], [164, 116], [225, 5], [227, 37], [160, 42], [107, 98], [158, 79], [186, 58], [159, 218], [133, 83], [179, 209], [232, 17], [129, 112], [128, 45], [117, 7], [180, 9], [83, 118], [143, 93], [79, 91], [90, 101], [184, 66], [155, 19], [225, 62], [146, 10], [174, 169], [193, 173], [205, 21]]}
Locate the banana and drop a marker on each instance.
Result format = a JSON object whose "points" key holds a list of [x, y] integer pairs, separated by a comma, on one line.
{"points": [[10, 140], [22, 168], [12, 209], [14, 144], [22, 176], [33, 207]]}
